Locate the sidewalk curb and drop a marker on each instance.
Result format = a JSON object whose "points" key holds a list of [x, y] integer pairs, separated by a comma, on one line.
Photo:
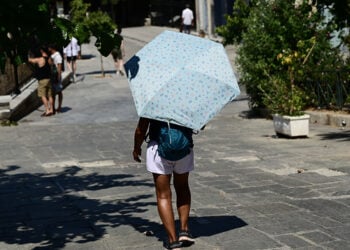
{"points": [[329, 118]]}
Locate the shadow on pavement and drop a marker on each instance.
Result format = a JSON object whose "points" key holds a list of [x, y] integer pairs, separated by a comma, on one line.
{"points": [[65, 109], [86, 56], [47, 209], [50, 210], [340, 136], [254, 114], [211, 225], [97, 72]]}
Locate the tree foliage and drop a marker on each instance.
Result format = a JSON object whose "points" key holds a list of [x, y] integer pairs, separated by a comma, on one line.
{"points": [[235, 26], [79, 11], [24, 23], [96, 23], [102, 28], [340, 9], [281, 45]]}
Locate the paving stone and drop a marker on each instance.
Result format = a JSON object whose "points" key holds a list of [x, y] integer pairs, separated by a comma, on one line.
{"points": [[273, 208], [6, 246], [280, 225], [323, 221], [292, 181], [345, 201], [245, 238], [318, 237], [329, 208], [202, 211], [248, 213], [293, 241], [296, 192], [342, 232], [316, 178], [341, 244]]}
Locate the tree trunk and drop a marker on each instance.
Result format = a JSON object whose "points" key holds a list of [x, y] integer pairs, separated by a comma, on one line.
{"points": [[102, 69]]}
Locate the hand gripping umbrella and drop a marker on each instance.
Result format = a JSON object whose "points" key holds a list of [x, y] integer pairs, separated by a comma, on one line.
{"points": [[181, 79]]}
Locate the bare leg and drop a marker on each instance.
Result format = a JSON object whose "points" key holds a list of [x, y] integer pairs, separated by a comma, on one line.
{"points": [[54, 103], [164, 204], [74, 63], [71, 69], [116, 64], [69, 66], [50, 104], [60, 99], [183, 199], [120, 66], [46, 104]]}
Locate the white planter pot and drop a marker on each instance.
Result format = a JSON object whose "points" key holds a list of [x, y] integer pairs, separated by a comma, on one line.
{"points": [[291, 126]]}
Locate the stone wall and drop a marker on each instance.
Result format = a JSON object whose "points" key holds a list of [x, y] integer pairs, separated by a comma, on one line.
{"points": [[7, 79]]}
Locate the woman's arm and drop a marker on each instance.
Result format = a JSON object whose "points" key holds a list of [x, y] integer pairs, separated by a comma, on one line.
{"points": [[139, 137]]}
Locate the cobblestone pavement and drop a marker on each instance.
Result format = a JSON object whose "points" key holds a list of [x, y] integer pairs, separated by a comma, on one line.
{"points": [[69, 182]]}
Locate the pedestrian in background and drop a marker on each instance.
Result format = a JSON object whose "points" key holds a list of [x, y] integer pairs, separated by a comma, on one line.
{"points": [[187, 19], [163, 170], [71, 54], [39, 57], [118, 52], [56, 79]]}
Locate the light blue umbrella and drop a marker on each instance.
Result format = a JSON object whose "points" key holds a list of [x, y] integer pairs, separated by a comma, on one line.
{"points": [[181, 79]]}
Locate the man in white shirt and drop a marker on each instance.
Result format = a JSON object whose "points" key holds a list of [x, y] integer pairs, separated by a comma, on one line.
{"points": [[71, 54], [187, 19]]}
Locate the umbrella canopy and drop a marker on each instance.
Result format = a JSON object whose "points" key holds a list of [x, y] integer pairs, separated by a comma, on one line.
{"points": [[181, 79]]}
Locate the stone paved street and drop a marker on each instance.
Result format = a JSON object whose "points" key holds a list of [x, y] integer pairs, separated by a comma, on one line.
{"points": [[69, 181]]}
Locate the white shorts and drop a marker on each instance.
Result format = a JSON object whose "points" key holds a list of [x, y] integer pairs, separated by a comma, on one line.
{"points": [[158, 165]]}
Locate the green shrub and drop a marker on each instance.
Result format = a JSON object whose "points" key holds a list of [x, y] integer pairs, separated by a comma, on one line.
{"points": [[283, 44]]}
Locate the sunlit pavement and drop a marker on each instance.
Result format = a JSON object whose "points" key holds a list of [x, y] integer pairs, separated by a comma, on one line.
{"points": [[69, 181]]}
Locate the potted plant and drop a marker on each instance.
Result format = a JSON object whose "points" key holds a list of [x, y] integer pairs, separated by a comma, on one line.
{"points": [[286, 104], [284, 99]]}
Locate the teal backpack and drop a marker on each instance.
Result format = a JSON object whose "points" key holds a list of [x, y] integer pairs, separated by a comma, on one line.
{"points": [[174, 142]]}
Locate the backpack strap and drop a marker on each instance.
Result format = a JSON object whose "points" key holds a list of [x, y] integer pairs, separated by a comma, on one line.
{"points": [[169, 129]]}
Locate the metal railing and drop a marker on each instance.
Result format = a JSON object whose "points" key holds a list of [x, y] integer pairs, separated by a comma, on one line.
{"points": [[331, 90]]}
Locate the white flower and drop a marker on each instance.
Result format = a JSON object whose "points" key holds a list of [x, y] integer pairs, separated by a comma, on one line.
{"points": [[314, 9], [298, 3]]}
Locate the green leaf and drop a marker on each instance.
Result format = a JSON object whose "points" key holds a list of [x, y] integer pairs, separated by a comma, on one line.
{"points": [[104, 44], [65, 26]]}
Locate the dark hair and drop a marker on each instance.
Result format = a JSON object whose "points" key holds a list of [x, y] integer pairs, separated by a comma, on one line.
{"points": [[35, 52], [45, 49], [52, 46]]}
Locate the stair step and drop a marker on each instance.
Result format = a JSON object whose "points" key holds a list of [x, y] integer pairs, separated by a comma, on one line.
{"points": [[5, 102], [5, 114]]}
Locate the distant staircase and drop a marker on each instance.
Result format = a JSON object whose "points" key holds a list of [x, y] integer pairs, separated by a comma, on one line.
{"points": [[5, 111]]}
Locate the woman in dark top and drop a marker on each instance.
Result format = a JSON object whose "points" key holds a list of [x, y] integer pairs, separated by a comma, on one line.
{"points": [[43, 74]]}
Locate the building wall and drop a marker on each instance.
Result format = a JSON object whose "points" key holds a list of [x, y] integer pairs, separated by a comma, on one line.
{"points": [[168, 13], [211, 14]]}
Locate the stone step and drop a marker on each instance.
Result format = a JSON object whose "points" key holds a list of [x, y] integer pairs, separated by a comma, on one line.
{"points": [[5, 102], [330, 118], [5, 114]]}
